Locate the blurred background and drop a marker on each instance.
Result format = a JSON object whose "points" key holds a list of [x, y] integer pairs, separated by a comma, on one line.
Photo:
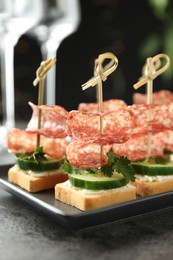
{"points": [[132, 30]]}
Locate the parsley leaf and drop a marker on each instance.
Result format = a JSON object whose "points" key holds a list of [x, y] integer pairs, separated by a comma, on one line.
{"points": [[37, 155], [124, 166], [67, 167], [119, 164]]}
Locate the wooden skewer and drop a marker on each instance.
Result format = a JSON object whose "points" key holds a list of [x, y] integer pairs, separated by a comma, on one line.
{"points": [[100, 104], [41, 73], [149, 101]]}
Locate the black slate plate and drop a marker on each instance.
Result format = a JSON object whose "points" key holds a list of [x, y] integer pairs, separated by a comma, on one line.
{"points": [[73, 218]]}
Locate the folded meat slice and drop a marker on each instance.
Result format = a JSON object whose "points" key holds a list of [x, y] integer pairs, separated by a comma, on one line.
{"points": [[117, 127], [83, 155], [161, 116], [136, 147], [22, 141], [53, 121]]}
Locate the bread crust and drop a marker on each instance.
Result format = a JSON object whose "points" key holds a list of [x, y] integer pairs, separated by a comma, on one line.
{"points": [[84, 202], [144, 188], [35, 184]]}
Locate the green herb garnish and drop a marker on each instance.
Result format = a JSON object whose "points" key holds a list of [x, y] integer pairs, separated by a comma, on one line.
{"points": [[67, 167], [119, 164], [37, 155]]}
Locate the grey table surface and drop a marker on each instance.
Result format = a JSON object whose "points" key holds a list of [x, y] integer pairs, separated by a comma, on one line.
{"points": [[27, 233]]}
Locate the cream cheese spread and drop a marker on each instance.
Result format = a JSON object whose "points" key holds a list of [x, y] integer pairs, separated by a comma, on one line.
{"points": [[38, 174], [158, 178], [67, 184]]}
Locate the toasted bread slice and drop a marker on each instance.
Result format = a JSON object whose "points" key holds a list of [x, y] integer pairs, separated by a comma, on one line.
{"points": [[146, 188], [35, 184], [89, 200]]}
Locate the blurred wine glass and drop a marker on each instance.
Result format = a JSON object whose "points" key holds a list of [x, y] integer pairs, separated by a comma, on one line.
{"points": [[16, 18], [60, 19]]}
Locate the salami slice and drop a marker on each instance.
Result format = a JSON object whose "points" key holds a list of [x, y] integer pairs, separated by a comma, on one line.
{"points": [[159, 97], [53, 121], [108, 105], [168, 140], [162, 116], [23, 141], [117, 127], [136, 147], [84, 155]]}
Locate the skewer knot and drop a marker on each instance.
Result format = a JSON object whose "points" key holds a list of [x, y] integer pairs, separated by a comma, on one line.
{"points": [[41, 72], [152, 69], [102, 72]]}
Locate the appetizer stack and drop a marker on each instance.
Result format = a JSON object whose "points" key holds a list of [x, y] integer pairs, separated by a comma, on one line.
{"points": [[40, 149], [153, 120], [97, 176]]}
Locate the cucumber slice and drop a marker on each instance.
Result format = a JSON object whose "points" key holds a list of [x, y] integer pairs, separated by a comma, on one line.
{"points": [[40, 166], [97, 182], [150, 169]]}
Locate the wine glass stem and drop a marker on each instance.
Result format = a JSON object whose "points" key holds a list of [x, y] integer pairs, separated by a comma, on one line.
{"points": [[7, 81], [50, 84]]}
